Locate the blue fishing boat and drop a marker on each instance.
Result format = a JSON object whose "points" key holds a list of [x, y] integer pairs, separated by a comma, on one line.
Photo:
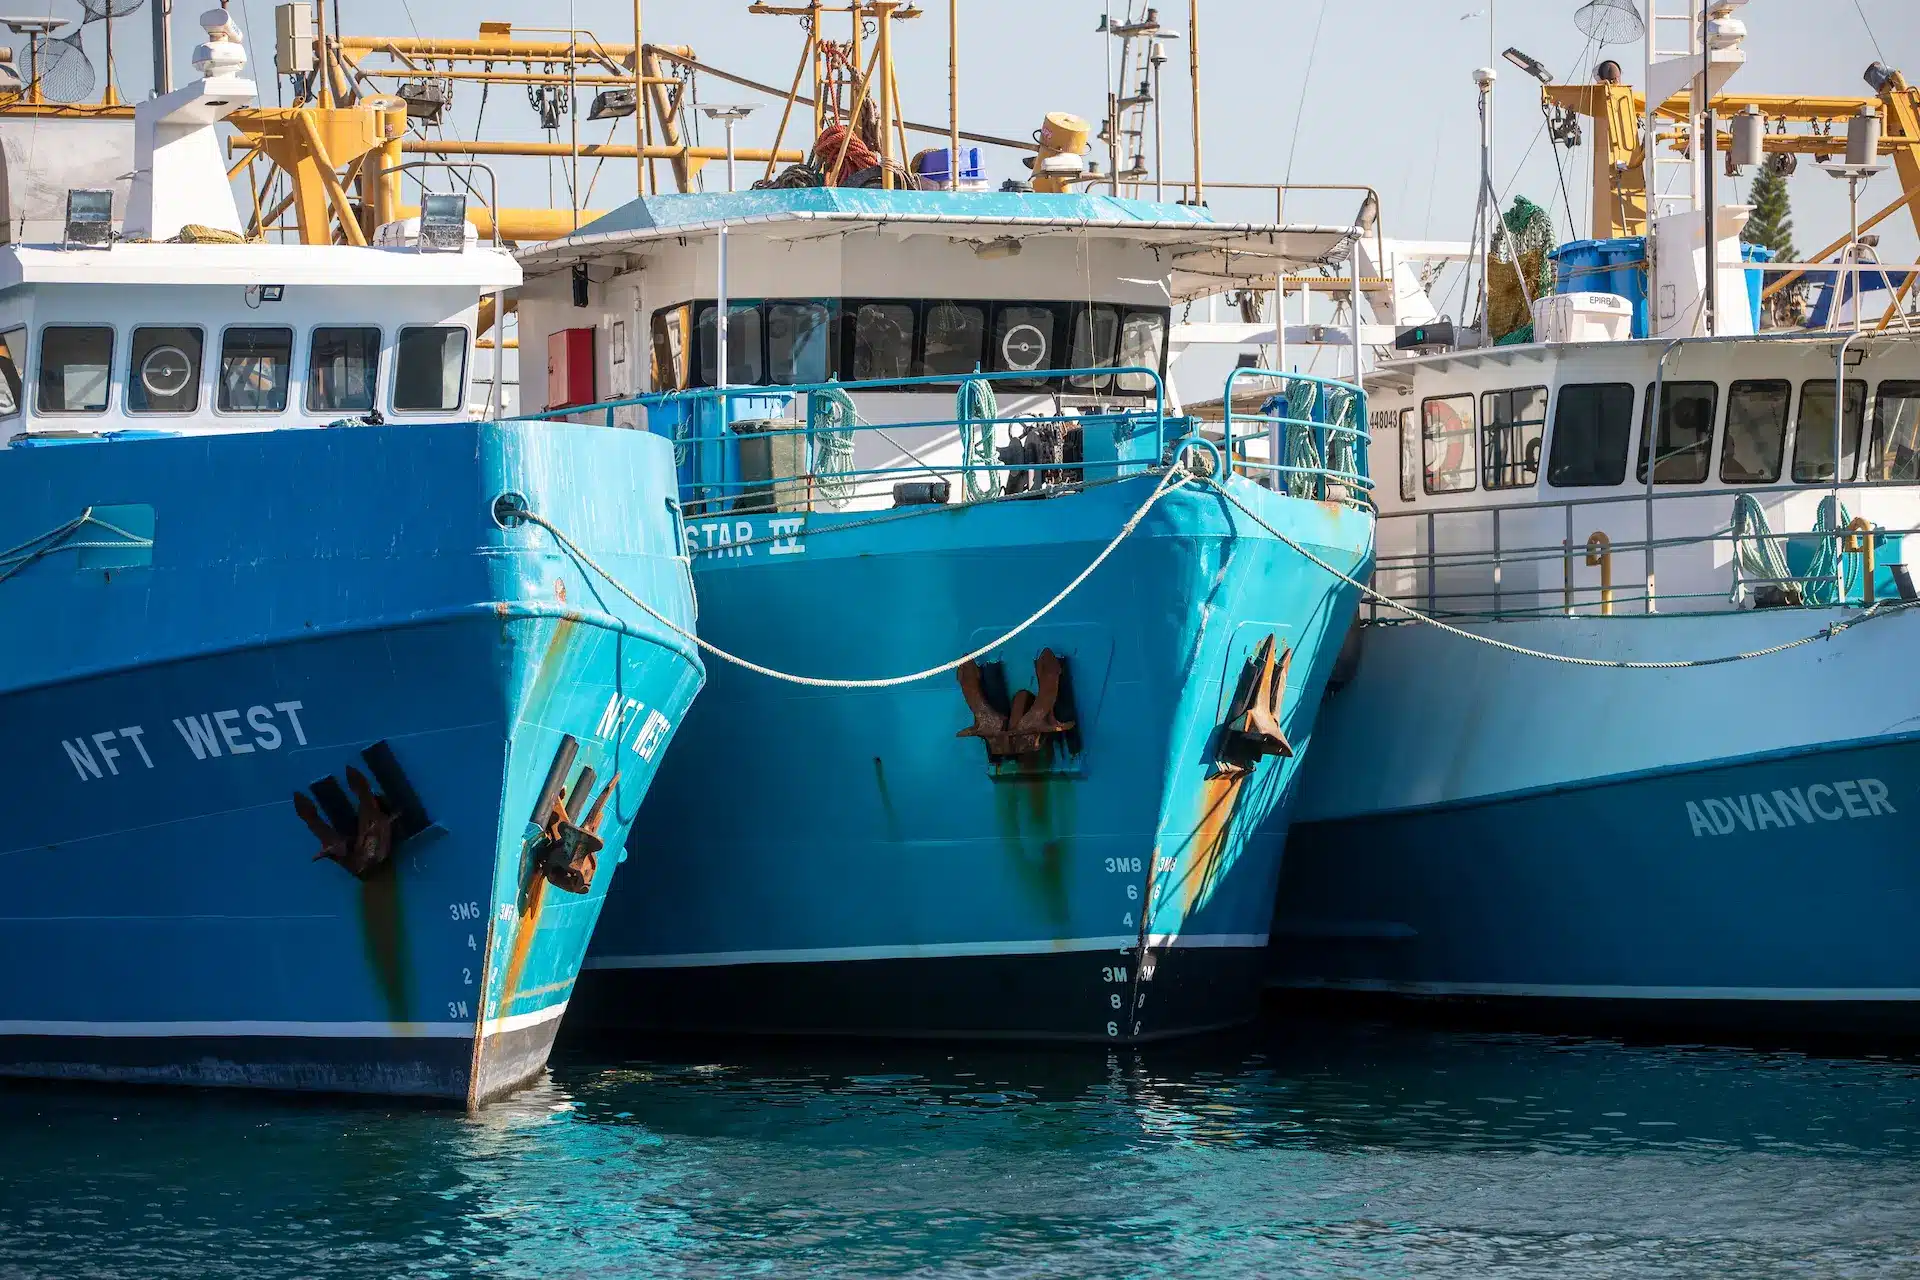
{"points": [[1021, 657], [321, 750], [1634, 736]]}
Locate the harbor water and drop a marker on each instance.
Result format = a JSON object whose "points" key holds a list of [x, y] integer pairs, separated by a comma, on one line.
{"points": [[1297, 1148]]}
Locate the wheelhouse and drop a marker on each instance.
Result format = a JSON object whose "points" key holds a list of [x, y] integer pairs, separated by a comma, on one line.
{"points": [[1500, 468]]}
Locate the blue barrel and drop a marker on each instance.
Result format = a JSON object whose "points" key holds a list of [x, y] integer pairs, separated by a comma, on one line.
{"points": [[1606, 266], [1756, 278], [1620, 267]]}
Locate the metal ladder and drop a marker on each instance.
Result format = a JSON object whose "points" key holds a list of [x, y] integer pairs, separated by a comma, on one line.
{"points": [[1673, 33]]}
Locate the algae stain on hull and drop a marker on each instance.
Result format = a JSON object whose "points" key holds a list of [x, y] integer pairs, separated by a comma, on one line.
{"points": [[1037, 827], [383, 929]]}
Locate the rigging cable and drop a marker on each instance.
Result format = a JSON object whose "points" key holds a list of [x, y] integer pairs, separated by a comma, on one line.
{"points": [[1878, 51], [1306, 78]]}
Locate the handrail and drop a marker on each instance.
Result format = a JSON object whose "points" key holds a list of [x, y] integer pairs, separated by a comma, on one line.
{"points": [[1138, 420]]}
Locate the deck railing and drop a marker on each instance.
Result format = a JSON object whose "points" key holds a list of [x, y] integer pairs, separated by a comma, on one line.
{"points": [[807, 448], [1485, 579]]}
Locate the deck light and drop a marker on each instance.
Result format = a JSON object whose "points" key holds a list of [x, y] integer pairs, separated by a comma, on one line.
{"points": [[89, 217], [612, 104], [1531, 65], [443, 222], [426, 99]]}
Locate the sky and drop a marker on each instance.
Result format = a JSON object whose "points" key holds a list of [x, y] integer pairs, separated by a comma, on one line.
{"points": [[1377, 92], [1324, 91]]}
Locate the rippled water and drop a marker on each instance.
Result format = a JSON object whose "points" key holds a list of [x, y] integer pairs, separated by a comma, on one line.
{"points": [[1298, 1149]]}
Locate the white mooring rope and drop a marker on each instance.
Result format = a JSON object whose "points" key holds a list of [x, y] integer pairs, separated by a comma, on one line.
{"points": [[1174, 479]]}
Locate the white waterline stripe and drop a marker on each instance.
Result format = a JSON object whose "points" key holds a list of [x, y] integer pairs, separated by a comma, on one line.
{"points": [[287, 1030], [930, 951], [1801, 995]]}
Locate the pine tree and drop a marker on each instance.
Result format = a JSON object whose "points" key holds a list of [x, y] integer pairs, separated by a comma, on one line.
{"points": [[1771, 225]]}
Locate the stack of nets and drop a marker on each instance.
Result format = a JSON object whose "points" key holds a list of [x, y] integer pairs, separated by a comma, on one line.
{"points": [[1520, 249]]}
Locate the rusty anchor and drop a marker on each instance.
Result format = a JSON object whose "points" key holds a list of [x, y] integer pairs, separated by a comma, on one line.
{"points": [[362, 832], [1029, 720], [567, 852], [1252, 729]]}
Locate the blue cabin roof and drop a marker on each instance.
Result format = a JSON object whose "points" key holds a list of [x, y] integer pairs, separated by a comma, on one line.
{"points": [[668, 212]]}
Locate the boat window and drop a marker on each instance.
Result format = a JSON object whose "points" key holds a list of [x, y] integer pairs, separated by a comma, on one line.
{"points": [[1895, 454], [1813, 431], [743, 345], [1756, 431], [1023, 339], [166, 370], [256, 366], [956, 337], [1683, 446], [799, 337], [1592, 427], [343, 370], [1446, 431], [13, 357], [883, 340], [1096, 334], [799, 342], [75, 368], [1409, 457], [1143, 338], [430, 370], [1511, 424], [670, 331]]}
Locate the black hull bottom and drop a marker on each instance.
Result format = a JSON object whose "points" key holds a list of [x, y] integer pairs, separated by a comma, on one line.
{"points": [[429, 1070], [1084, 996], [1836, 1024]]}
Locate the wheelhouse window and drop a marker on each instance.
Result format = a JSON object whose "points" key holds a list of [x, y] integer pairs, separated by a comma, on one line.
{"points": [[256, 368], [743, 345], [1895, 455], [165, 370], [1756, 431], [13, 358], [1592, 429], [956, 339], [799, 343], [343, 370], [1023, 336], [1813, 431], [1511, 426], [430, 369], [883, 335], [671, 330], [1683, 445], [1096, 336], [76, 367], [1143, 340], [1447, 434]]}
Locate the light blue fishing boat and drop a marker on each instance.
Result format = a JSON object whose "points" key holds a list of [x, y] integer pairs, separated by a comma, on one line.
{"points": [[1018, 671]]}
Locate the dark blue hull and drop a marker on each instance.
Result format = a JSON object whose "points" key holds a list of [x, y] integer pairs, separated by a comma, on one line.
{"points": [[371, 617], [846, 862], [1778, 893]]}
